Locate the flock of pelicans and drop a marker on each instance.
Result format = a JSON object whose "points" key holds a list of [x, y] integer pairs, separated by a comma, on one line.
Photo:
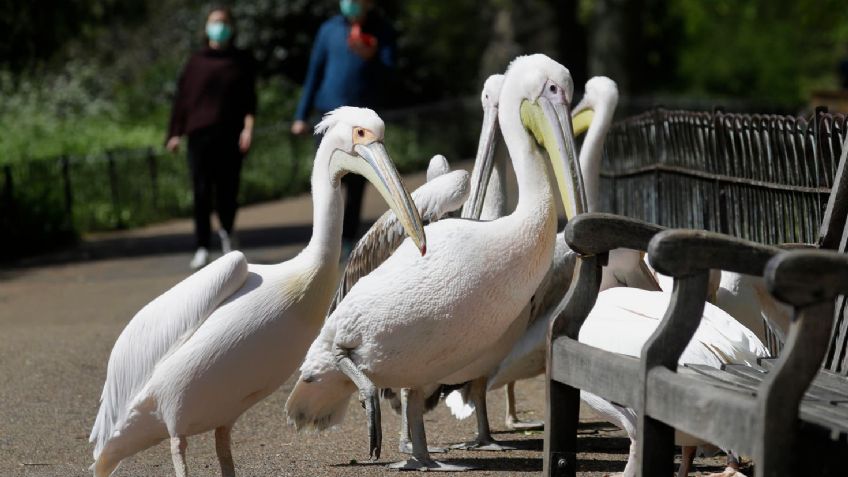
{"points": [[460, 307]]}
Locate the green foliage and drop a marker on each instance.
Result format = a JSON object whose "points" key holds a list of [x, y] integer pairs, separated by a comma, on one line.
{"points": [[762, 49], [67, 114]]}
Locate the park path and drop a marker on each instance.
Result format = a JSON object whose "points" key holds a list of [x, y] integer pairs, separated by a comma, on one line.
{"points": [[61, 314]]}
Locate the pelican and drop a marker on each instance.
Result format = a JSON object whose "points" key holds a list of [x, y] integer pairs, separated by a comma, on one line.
{"points": [[205, 351], [415, 320], [624, 318], [444, 192], [526, 346], [593, 115]]}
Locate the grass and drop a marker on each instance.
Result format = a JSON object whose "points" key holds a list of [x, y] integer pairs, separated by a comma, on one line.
{"points": [[48, 203]]}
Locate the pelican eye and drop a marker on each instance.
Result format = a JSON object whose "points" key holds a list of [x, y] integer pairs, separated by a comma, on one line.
{"points": [[553, 88], [363, 136]]}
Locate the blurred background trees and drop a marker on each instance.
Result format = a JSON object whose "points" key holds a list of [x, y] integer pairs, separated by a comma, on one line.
{"points": [[85, 77], [94, 74]]}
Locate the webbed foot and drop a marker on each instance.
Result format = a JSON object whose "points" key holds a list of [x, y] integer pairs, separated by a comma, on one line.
{"points": [[519, 425], [483, 445], [428, 465]]}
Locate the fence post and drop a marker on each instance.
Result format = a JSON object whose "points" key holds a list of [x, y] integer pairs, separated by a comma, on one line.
{"points": [[717, 145], [154, 177], [659, 140], [8, 193], [66, 180], [113, 184]]}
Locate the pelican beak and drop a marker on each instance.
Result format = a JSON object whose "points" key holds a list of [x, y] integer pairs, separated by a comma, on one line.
{"points": [[483, 164], [581, 117], [381, 172], [550, 124]]}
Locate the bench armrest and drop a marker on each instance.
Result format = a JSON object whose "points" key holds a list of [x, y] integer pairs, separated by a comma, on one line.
{"points": [[810, 280], [682, 252], [805, 277], [597, 233]]}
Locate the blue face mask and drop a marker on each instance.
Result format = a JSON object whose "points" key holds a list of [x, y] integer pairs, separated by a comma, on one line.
{"points": [[350, 9], [219, 32]]}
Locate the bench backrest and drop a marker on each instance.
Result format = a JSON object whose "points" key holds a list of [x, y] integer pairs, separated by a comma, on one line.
{"points": [[766, 178]]}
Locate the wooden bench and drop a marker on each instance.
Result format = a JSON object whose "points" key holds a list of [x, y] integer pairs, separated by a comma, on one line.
{"points": [[769, 179]]}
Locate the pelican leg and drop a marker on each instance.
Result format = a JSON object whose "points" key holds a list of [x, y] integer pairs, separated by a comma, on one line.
{"points": [[420, 459], [224, 451], [484, 440], [369, 397], [512, 421], [178, 450], [686, 459], [405, 445]]}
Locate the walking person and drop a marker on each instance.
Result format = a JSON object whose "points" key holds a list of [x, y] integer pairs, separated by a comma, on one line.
{"points": [[215, 107], [352, 57]]}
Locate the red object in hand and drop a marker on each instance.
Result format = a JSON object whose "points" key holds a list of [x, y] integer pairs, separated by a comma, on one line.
{"points": [[358, 36]]}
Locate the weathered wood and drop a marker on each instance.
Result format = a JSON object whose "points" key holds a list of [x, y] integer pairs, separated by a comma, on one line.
{"points": [[780, 394], [835, 214], [715, 414], [562, 406], [614, 376], [655, 450], [806, 277], [579, 300], [760, 177], [596, 233], [681, 252]]}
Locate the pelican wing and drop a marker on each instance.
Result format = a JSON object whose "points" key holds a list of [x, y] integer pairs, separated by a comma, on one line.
{"points": [[527, 356], [156, 330], [436, 198], [624, 318]]}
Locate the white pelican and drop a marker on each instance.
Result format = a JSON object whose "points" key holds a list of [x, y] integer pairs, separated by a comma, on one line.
{"points": [[526, 345], [414, 321], [624, 318], [208, 349], [443, 193], [593, 115]]}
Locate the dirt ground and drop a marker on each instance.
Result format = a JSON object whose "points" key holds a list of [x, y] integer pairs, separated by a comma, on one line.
{"points": [[60, 316]]}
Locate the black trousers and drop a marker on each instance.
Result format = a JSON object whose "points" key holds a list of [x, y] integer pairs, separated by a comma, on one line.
{"points": [[354, 190], [215, 163]]}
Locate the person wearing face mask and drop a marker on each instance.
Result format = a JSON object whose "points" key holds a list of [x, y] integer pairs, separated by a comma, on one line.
{"points": [[353, 57], [215, 107]]}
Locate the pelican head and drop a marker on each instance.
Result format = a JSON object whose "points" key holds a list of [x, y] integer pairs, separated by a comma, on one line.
{"points": [[544, 89], [600, 97], [355, 137], [484, 160]]}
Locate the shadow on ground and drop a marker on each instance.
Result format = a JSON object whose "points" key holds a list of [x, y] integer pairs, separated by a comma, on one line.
{"points": [[161, 244]]}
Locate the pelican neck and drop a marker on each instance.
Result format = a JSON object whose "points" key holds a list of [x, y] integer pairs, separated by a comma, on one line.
{"points": [[327, 205], [591, 155], [531, 174]]}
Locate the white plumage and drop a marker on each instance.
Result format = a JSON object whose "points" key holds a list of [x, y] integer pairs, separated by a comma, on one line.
{"points": [[526, 359], [158, 328], [197, 357], [445, 191], [624, 318], [415, 320]]}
